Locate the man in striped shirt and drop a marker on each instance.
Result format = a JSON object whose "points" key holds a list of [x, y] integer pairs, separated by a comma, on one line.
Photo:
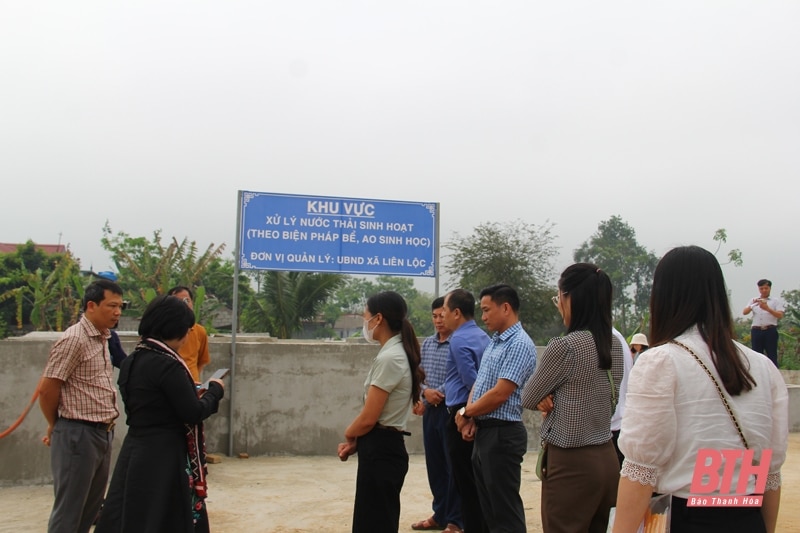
{"points": [[79, 400], [493, 414]]}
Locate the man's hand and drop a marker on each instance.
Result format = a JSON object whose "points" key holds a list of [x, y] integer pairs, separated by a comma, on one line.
{"points": [[346, 449], [460, 421], [433, 396], [468, 430], [46, 438]]}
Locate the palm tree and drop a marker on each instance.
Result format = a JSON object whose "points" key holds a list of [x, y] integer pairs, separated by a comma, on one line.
{"points": [[148, 268], [288, 298]]}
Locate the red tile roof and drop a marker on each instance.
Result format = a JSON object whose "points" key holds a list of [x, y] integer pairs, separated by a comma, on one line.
{"points": [[7, 248]]}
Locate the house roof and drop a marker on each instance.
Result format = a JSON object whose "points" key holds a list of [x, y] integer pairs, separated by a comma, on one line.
{"points": [[10, 248]]}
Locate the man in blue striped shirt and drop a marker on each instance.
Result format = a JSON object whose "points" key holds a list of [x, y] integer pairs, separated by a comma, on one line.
{"points": [[493, 414], [446, 501]]}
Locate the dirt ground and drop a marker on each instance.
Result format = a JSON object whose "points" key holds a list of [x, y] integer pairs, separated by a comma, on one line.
{"points": [[315, 494]]}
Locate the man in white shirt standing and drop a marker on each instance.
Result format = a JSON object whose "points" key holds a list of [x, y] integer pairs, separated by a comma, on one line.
{"points": [[767, 310]]}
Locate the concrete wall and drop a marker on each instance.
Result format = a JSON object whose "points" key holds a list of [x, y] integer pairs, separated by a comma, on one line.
{"points": [[289, 398]]}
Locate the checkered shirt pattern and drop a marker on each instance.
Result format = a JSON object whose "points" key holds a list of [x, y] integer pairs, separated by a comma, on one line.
{"points": [[434, 363], [510, 355], [80, 359], [569, 369]]}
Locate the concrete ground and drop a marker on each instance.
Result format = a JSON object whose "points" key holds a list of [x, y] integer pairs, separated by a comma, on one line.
{"points": [[315, 494]]}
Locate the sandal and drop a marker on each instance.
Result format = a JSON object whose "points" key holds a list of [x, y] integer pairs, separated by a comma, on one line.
{"points": [[429, 524], [452, 528]]}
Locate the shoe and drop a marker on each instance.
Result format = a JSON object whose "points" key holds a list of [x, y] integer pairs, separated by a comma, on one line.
{"points": [[429, 524]]}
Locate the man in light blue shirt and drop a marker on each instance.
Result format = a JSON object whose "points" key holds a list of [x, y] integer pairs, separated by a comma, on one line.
{"points": [[493, 415]]}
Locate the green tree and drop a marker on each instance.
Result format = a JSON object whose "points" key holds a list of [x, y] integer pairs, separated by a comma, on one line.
{"points": [[789, 347], [516, 253], [350, 298], [218, 283], [286, 299], [734, 256], [147, 268], [38, 290], [614, 248]]}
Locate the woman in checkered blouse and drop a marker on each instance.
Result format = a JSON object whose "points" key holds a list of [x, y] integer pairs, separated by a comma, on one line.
{"points": [[575, 386]]}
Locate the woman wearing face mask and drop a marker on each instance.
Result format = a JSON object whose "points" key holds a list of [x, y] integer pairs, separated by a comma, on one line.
{"points": [[391, 387]]}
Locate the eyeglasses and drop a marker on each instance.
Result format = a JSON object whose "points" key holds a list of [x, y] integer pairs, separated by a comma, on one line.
{"points": [[186, 300], [555, 299]]}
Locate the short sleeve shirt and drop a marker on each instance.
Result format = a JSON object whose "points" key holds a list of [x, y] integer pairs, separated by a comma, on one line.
{"points": [[391, 372], [762, 318], [510, 355], [80, 359]]}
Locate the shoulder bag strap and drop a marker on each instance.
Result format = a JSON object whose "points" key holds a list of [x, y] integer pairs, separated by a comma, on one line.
{"points": [[613, 392], [719, 390]]}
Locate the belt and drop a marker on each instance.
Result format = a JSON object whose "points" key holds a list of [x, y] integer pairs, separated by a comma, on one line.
{"points": [[108, 427], [762, 328], [451, 409], [392, 428], [493, 422]]}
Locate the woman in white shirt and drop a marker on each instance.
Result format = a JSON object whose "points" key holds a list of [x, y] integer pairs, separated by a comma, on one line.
{"points": [[674, 408], [391, 387]]}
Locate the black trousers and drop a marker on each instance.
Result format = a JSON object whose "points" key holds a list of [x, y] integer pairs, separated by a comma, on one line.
{"points": [[382, 468], [715, 519], [464, 476], [497, 461], [765, 340]]}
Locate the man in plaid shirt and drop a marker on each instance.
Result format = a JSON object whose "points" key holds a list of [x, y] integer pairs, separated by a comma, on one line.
{"points": [[446, 501], [79, 400]]}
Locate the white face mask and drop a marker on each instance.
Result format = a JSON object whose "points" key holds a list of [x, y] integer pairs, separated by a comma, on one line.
{"points": [[368, 332]]}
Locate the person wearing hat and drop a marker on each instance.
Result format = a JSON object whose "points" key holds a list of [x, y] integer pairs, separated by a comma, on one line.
{"points": [[638, 345]]}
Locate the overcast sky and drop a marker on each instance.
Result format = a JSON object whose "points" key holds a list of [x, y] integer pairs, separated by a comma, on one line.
{"points": [[682, 118]]}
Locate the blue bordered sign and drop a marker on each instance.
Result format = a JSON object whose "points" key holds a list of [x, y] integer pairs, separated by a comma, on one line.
{"points": [[331, 234]]}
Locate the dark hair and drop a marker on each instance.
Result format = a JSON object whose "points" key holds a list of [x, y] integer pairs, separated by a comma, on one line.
{"points": [[437, 303], [689, 290], [763, 282], [96, 291], [462, 300], [590, 291], [502, 294], [394, 310], [180, 288], [166, 318]]}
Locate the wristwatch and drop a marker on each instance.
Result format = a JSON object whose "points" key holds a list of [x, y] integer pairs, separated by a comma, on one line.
{"points": [[463, 413]]}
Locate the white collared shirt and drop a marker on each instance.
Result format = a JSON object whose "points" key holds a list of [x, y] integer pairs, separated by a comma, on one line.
{"points": [[763, 318], [673, 409]]}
